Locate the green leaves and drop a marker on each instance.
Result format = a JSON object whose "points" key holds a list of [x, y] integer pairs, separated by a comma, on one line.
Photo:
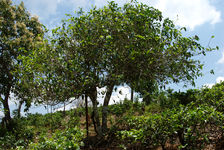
{"points": [[188, 123], [214, 96], [124, 45], [212, 71], [108, 37], [196, 37], [69, 139], [112, 45], [140, 37]]}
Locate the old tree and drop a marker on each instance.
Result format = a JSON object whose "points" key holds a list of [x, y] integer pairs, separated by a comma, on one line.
{"points": [[115, 45], [17, 30]]}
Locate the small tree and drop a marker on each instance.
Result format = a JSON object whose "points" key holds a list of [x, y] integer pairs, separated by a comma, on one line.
{"points": [[122, 45], [126, 45]]}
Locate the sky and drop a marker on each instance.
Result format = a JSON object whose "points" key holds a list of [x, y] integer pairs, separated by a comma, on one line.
{"points": [[204, 18]]}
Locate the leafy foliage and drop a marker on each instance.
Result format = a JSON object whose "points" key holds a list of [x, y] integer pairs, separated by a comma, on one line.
{"points": [[69, 139], [110, 46], [214, 96], [21, 135], [105, 47], [172, 99], [120, 108], [188, 124]]}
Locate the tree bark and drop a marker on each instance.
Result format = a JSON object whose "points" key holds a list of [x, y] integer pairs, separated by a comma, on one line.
{"points": [[6, 109], [87, 120], [64, 110], [19, 108], [95, 118], [132, 94], [105, 107], [180, 134]]}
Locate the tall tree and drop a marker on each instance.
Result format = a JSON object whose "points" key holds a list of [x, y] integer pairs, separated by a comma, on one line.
{"points": [[17, 30]]}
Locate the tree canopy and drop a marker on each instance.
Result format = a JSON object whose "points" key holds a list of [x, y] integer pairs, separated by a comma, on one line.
{"points": [[114, 45]]}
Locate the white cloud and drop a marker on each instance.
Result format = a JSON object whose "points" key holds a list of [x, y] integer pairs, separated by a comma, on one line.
{"points": [[219, 79], [221, 60], [67, 107], [120, 94], [209, 85], [188, 13], [191, 13]]}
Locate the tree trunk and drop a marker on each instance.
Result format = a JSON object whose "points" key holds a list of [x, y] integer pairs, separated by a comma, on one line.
{"points": [[87, 120], [132, 94], [64, 110], [105, 107], [97, 120], [95, 114], [7, 110], [19, 108], [180, 134]]}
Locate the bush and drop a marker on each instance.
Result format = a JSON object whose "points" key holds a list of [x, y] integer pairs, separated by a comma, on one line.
{"points": [[21, 135], [153, 108], [171, 99], [191, 125], [120, 108], [214, 96], [69, 139], [37, 120]]}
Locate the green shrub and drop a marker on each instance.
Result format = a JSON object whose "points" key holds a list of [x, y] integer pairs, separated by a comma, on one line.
{"points": [[172, 99], [21, 135], [73, 121], [37, 120], [214, 96], [153, 108], [189, 124], [120, 108], [69, 139], [17, 138]]}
